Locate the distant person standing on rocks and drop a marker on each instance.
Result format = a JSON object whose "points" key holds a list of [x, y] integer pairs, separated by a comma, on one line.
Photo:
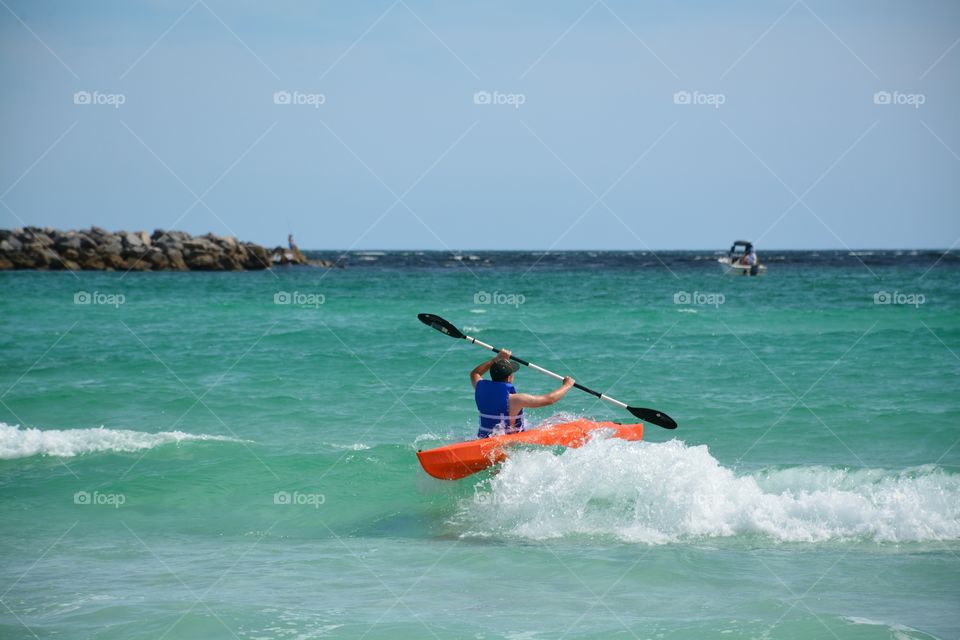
{"points": [[290, 242]]}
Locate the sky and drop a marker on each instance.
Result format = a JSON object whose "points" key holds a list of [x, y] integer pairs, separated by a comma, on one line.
{"points": [[407, 124]]}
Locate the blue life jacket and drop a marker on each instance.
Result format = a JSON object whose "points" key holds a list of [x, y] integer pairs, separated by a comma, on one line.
{"points": [[493, 403]]}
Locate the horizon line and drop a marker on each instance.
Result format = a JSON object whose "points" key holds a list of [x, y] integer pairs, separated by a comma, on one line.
{"points": [[383, 250]]}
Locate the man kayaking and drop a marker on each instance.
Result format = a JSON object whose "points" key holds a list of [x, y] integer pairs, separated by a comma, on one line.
{"points": [[500, 406]]}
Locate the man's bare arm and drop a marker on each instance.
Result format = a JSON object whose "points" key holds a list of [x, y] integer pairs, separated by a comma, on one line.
{"points": [[528, 401]]}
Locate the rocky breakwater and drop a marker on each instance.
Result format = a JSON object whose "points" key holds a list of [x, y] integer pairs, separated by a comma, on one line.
{"points": [[99, 250]]}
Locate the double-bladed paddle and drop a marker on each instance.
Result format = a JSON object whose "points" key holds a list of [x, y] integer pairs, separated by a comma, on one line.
{"points": [[649, 415]]}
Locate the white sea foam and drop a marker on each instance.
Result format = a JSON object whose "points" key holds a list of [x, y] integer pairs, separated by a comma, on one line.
{"points": [[897, 631], [427, 436], [359, 446], [23, 443], [657, 493]]}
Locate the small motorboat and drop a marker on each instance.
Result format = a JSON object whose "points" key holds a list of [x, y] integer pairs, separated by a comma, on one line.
{"points": [[742, 260]]}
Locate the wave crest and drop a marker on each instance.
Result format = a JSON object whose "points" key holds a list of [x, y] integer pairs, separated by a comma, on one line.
{"points": [[24, 443], [657, 493]]}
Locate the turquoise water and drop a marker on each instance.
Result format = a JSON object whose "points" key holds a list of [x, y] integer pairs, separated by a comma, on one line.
{"points": [[193, 460]]}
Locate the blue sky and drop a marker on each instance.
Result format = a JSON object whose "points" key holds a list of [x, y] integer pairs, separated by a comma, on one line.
{"points": [[610, 124]]}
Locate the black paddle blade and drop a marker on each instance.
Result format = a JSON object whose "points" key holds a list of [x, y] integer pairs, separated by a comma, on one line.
{"points": [[656, 417], [440, 325]]}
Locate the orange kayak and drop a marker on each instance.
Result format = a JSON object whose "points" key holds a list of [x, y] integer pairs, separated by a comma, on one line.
{"points": [[459, 460]]}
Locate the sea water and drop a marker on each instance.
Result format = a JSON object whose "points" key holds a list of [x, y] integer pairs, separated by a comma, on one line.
{"points": [[232, 455]]}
